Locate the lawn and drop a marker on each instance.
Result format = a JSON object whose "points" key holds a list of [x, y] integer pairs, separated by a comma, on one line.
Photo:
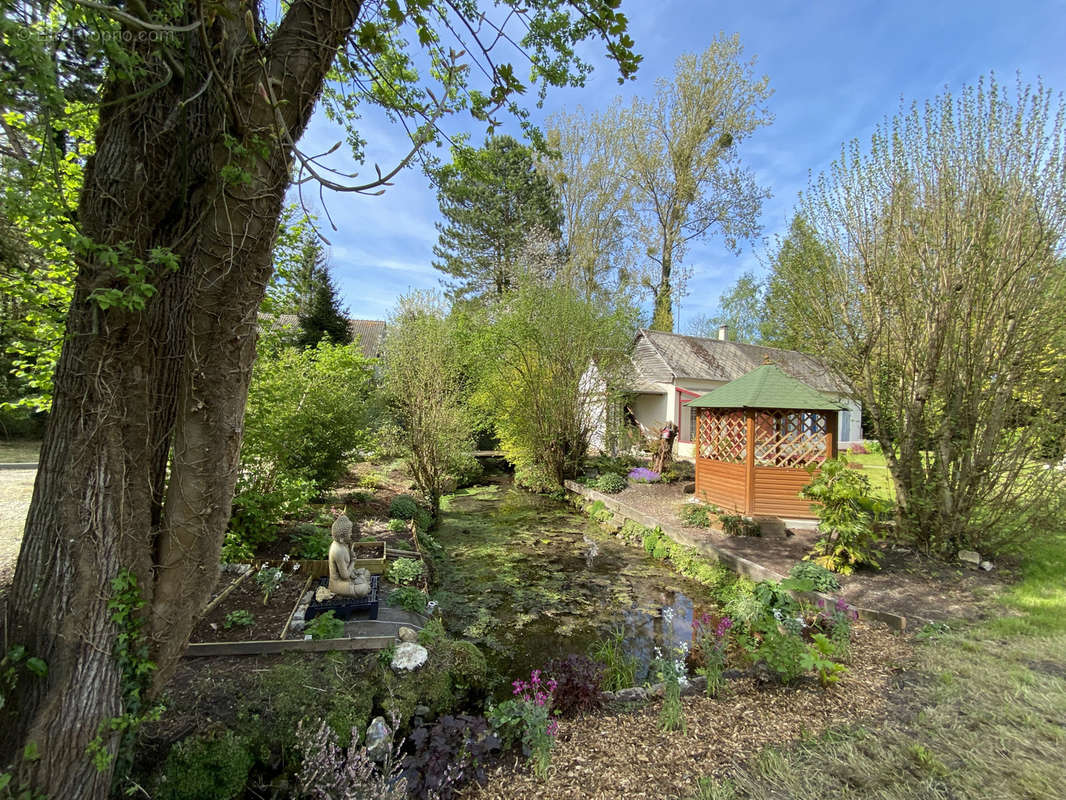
{"points": [[875, 468], [984, 715], [17, 451]]}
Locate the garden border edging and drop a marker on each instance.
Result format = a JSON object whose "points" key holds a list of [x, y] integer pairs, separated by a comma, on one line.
{"points": [[738, 564]]}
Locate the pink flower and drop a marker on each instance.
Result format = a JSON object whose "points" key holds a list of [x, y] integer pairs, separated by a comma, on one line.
{"points": [[553, 727]]}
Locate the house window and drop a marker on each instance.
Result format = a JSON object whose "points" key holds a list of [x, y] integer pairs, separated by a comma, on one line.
{"points": [[686, 417]]}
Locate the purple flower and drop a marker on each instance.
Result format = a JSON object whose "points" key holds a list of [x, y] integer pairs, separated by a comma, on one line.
{"points": [[644, 474], [553, 727]]}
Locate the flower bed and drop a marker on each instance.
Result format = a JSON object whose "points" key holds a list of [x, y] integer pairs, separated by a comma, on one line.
{"points": [[259, 620]]}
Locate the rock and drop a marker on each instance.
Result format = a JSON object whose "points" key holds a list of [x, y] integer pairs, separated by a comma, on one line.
{"points": [[656, 690], [607, 696], [409, 656], [689, 488], [695, 686], [421, 711], [987, 566], [378, 739], [970, 557], [634, 694], [405, 634], [323, 594], [733, 674]]}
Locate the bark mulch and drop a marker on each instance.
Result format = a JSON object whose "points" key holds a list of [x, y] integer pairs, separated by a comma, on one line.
{"points": [[625, 755], [909, 583]]}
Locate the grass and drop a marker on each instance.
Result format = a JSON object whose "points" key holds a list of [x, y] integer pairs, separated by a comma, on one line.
{"points": [[17, 451], [875, 468], [986, 719]]}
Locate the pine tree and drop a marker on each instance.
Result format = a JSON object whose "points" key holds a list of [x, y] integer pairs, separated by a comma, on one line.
{"points": [[323, 317], [492, 199]]}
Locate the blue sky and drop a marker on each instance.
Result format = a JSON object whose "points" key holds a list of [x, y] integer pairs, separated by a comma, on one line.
{"points": [[837, 68]]}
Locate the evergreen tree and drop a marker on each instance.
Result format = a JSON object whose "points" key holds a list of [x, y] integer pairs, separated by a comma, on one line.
{"points": [[492, 199], [323, 317]]}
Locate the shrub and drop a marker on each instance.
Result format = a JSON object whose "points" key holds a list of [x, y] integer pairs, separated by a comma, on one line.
{"points": [[819, 658], [312, 542], [397, 525], [643, 475], [403, 506], [408, 598], [454, 751], [712, 639], [308, 411], [611, 483], [262, 502], [405, 570], [736, 525], [695, 515], [846, 513], [821, 579], [239, 618], [206, 767], [873, 446], [325, 626], [329, 772], [235, 550], [661, 550], [578, 680]]}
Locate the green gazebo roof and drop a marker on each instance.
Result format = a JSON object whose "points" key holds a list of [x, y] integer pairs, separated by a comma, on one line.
{"points": [[766, 387]]}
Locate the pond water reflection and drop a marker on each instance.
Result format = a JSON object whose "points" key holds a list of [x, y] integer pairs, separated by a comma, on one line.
{"points": [[529, 578]]}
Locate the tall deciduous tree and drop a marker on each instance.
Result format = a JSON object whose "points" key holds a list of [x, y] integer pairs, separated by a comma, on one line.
{"points": [[492, 198], [683, 163], [740, 308], [589, 177], [941, 304], [427, 391], [196, 147]]}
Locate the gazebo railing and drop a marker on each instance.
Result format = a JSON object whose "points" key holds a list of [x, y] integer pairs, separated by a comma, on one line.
{"points": [[723, 436], [790, 439]]}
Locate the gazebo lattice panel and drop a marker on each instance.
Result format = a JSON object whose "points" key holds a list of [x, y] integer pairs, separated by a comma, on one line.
{"points": [[790, 438], [723, 436]]}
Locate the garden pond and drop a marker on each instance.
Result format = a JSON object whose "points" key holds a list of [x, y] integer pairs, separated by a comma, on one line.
{"points": [[530, 578]]}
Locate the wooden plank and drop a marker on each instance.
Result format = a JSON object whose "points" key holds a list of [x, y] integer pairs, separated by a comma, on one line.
{"points": [[265, 647], [225, 592], [749, 474]]}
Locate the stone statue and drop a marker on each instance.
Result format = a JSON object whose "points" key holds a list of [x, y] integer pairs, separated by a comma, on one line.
{"points": [[343, 580]]}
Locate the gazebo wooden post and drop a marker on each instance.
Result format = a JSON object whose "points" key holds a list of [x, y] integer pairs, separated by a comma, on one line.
{"points": [[830, 434], [749, 467]]}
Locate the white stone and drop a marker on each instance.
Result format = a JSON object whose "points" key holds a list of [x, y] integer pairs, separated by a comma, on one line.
{"points": [[378, 739], [987, 566], [405, 634], [409, 656], [970, 557]]}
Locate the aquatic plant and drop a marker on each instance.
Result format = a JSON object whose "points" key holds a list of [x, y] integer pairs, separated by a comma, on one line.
{"points": [[619, 667]]}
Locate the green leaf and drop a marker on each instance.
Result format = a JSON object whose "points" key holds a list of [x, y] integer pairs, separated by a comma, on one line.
{"points": [[37, 666], [30, 751]]}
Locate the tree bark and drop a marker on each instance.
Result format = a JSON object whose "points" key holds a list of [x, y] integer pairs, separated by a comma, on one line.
{"points": [[136, 390]]}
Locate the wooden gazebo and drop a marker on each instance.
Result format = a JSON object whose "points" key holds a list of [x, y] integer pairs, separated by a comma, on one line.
{"points": [[756, 436]]}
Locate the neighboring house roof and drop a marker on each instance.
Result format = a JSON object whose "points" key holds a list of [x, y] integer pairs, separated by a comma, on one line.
{"points": [[371, 332], [766, 387], [669, 357]]}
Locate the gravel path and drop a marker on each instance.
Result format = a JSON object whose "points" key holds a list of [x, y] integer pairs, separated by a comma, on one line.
{"points": [[16, 488]]}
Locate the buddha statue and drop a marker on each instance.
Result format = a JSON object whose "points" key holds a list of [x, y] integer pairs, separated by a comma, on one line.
{"points": [[343, 580]]}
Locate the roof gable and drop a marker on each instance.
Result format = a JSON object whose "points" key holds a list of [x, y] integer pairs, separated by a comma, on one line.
{"points": [[766, 387], [677, 357]]}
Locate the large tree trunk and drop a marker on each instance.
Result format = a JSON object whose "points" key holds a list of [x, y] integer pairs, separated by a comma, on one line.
{"points": [[133, 386]]}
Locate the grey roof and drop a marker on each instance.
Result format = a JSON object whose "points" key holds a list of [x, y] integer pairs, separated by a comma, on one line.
{"points": [[371, 332], [669, 357]]}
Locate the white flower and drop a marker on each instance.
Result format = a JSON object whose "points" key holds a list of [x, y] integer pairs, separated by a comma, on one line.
{"points": [[285, 559]]}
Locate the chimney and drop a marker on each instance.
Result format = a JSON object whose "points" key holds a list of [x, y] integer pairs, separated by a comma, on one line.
{"points": [[723, 333]]}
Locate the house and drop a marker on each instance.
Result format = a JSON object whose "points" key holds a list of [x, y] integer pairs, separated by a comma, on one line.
{"points": [[670, 370], [370, 332]]}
